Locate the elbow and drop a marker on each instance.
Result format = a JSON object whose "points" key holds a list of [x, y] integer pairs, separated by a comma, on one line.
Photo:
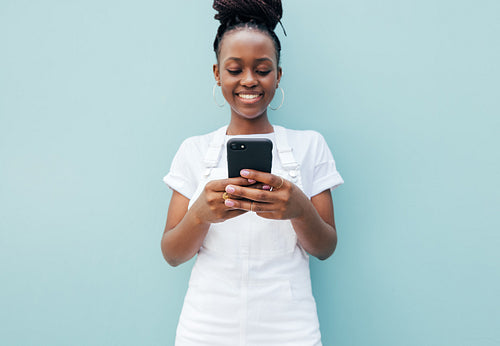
{"points": [[329, 251], [325, 256], [173, 258], [172, 261], [167, 254]]}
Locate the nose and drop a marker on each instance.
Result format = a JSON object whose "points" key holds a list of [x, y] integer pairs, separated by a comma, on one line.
{"points": [[248, 79]]}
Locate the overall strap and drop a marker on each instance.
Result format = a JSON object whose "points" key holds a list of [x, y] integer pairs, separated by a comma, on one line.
{"points": [[285, 153], [212, 156]]}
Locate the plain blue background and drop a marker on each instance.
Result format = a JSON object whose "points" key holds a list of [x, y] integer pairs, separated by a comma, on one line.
{"points": [[96, 97]]}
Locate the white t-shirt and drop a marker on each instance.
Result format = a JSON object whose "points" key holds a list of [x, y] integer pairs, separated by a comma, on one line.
{"points": [[317, 166]]}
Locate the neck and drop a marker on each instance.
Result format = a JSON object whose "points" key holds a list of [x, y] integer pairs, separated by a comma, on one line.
{"points": [[242, 126]]}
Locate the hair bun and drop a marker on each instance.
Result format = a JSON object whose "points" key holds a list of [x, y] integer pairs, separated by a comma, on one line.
{"points": [[230, 12]]}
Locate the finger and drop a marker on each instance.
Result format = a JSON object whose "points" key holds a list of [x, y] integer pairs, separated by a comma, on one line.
{"points": [[220, 185], [224, 195], [251, 193], [249, 206], [263, 177], [260, 186]]}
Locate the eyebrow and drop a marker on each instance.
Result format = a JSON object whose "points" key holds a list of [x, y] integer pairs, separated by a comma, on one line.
{"points": [[239, 59]]}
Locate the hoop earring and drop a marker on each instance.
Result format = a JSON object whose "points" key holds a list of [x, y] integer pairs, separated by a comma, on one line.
{"points": [[215, 100], [282, 100]]}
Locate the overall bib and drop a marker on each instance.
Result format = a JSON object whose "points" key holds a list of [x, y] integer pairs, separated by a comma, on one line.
{"points": [[250, 284]]}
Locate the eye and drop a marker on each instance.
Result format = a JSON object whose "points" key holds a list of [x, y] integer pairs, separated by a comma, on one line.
{"points": [[264, 73], [233, 72]]}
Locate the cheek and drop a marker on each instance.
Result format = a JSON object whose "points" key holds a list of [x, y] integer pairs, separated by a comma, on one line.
{"points": [[271, 95], [227, 91], [272, 81], [228, 82], [272, 86]]}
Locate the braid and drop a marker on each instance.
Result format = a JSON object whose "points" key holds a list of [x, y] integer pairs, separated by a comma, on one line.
{"points": [[269, 12], [263, 15]]}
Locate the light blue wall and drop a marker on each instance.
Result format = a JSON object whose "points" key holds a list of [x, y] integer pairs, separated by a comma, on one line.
{"points": [[96, 96]]}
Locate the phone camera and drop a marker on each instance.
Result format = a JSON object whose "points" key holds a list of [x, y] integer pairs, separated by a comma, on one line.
{"points": [[238, 146]]}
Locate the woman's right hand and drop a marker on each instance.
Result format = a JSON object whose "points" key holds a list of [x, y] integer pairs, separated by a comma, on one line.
{"points": [[186, 228], [210, 208]]}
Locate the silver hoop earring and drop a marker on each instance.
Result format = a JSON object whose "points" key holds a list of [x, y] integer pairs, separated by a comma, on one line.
{"points": [[215, 100], [282, 100]]}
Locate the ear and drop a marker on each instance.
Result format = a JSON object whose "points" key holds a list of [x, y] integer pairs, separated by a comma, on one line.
{"points": [[217, 74], [280, 73]]}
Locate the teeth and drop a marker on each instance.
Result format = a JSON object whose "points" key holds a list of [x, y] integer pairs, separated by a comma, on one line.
{"points": [[248, 96]]}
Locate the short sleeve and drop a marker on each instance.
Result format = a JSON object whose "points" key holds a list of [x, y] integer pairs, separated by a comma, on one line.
{"points": [[325, 175], [181, 177]]}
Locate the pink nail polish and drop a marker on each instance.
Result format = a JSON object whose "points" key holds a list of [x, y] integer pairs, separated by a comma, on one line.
{"points": [[244, 173], [251, 181], [229, 189], [229, 203], [266, 187]]}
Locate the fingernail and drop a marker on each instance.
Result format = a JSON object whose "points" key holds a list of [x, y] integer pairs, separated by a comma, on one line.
{"points": [[266, 187], [230, 189], [244, 173], [229, 203], [251, 181]]}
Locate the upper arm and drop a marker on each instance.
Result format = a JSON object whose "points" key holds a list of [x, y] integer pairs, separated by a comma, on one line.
{"points": [[176, 210], [323, 203]]}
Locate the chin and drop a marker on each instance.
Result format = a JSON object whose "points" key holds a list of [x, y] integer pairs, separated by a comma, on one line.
{"points": [[249, 114]]}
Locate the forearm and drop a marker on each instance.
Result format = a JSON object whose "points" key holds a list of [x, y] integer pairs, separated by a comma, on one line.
{"points": [[312, 219], [182, 242], [315, 235]]}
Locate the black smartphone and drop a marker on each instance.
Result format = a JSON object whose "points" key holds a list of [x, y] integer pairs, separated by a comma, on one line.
{"points": [[251, 153]]}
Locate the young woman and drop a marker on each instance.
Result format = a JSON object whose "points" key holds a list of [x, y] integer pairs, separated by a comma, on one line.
{"points": [[253, 234]]}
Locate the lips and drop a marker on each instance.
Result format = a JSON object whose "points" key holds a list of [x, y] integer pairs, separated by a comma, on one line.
{"points": [[249, 96]]}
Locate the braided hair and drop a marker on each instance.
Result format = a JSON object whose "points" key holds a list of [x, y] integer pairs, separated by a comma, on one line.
{"points": [[262, 15]]}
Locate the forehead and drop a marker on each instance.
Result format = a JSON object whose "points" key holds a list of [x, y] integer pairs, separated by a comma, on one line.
{"points": [[247, 44]]}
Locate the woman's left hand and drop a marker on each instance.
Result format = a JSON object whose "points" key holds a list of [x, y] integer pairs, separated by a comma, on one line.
{"points": [[278, 199], [312, 219]]}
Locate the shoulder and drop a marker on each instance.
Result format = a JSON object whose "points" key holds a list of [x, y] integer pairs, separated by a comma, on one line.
{"points": [[309, 146], [304, 138], [188, 164], [197, 145]]}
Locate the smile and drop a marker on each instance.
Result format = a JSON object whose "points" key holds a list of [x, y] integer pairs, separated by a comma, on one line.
{"points": [[249, 98]]}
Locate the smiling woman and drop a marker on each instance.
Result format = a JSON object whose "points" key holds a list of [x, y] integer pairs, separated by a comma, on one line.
{"points": [[252, 234]]}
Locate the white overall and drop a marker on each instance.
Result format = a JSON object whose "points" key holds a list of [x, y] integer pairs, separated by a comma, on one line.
{"points": [[250, 284]]}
